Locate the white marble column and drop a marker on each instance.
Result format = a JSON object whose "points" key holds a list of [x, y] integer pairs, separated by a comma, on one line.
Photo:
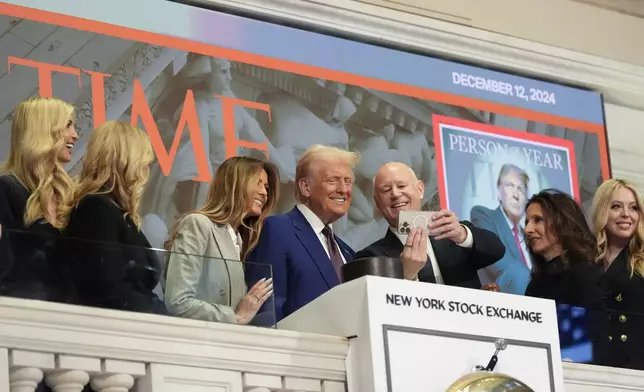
{"points": [[67, 380], [261, 382], [112, 382], [25, 379], [27, 369]]}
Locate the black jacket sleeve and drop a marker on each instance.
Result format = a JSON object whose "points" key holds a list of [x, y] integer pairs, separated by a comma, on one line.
{"points": [[99, 266], [585, 287], [7, 220], [586, 290], [11, 218], [487, 248]]}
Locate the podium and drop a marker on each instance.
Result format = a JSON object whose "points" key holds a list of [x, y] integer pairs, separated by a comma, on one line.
{"points": [[419, 337]]}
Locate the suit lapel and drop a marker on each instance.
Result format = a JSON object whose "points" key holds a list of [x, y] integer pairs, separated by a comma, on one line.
{"points": [[505, 234], [392, 245], [346, 250], [311, 243], [224, 243], [442, 249]]}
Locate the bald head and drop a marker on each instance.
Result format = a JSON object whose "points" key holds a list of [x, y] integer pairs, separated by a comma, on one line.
{"points": [[394, 168], [396, 188]]}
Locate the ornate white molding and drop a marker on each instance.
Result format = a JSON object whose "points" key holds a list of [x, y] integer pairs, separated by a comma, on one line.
{"points": [[620, 82], [628, 165], [34, 326], [45, 340], [587, 377]]}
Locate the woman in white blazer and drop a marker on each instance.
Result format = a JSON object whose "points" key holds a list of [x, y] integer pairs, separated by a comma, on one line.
{"points": [[205, 272]]}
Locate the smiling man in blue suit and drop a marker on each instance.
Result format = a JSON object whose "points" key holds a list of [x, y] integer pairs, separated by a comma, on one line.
{"points": [[512, 272], [305, 255]]}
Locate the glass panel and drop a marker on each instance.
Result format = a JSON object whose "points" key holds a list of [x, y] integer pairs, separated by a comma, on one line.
{"points": [[138, 279], [600, 337]]}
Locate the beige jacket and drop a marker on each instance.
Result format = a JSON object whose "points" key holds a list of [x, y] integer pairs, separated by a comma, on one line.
{"points": [[204, 278]]}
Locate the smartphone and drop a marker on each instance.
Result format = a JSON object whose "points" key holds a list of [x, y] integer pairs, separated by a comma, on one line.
{"points": [[408, 220]]}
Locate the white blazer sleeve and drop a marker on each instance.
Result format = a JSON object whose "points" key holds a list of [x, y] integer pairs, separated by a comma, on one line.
{"points": [[184, 272]]}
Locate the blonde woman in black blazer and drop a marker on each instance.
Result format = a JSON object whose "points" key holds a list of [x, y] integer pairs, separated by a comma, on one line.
{"points": [[35, 194], [619, 227], [111, 262]]}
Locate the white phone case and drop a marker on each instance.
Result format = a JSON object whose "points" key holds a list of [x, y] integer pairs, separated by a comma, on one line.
{"points": [[408, 220]]}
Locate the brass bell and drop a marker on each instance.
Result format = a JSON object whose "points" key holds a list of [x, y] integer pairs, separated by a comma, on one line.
{"points": [[483, 381]]}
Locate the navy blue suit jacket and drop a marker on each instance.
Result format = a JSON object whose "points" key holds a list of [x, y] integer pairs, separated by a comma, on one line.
{"points": [[301, 267], [510, 273]]}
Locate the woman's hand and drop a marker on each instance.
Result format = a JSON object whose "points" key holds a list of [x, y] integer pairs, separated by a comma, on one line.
{"points": [[253, 300]]}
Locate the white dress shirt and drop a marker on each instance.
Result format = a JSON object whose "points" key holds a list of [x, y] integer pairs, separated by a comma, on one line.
{"points": [[468, 243], [317, 225], [236, 238], [523, 248]]}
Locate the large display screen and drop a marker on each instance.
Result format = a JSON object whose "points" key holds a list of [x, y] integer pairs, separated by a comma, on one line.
{"points": [[207, 85]]}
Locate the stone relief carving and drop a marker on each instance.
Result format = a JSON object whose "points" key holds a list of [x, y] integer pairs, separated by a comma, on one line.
{"points": [[171, 196], [116, 86], [380, 126], [304, 111], [120, 82]]}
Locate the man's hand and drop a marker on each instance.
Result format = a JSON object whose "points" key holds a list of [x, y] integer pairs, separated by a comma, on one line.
{"points": [[445, 224], [414, 254], [491, 287]]}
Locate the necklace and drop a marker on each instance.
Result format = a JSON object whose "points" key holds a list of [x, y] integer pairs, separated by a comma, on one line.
{"points": [[611, 258]]}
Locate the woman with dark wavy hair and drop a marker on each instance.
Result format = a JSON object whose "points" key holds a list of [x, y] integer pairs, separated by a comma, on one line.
{"points": [[563, 251]]}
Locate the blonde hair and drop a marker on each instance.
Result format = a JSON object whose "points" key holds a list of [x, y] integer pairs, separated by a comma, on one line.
{"points": [[314, 155], [36, 141], [227, 201], [116, 163], [601, 206]]}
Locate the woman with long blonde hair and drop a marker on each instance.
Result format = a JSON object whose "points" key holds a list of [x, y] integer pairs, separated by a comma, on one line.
{"points": [[35, 193], [204, 278], [619, 227], [113, 267]]}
